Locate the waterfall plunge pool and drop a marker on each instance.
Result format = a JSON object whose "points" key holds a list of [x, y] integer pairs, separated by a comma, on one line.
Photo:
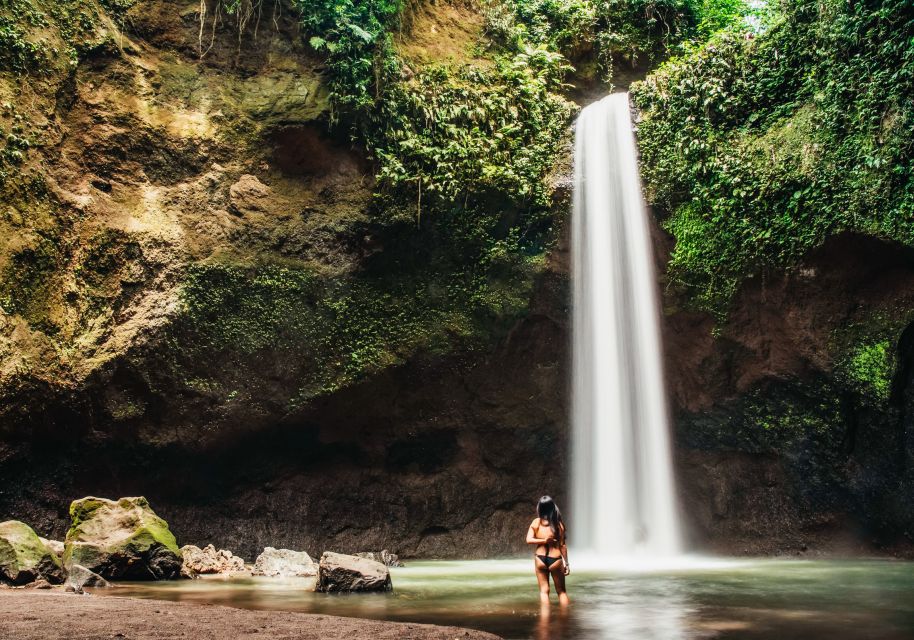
{"points": [[713, 598]]}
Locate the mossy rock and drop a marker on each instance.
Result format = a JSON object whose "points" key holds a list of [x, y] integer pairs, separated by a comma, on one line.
{"points": [[24, 558], [122, 540]]}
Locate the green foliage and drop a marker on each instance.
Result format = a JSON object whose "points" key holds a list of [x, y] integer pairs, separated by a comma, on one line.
{"points": [[355, 36], [565, 26], [870, 368], [455, 137], [760, 148], [31, 30], [464, 136], [865, 354], [19, 49], [462, 152], [612, 31]]}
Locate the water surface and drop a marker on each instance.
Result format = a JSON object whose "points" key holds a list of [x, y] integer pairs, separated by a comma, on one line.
{"points": [[839, 600]]}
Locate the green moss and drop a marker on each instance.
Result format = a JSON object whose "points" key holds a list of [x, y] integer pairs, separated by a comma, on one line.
{"points": [[82, 510], [865, 354], [802, 423], [148, 528], [23, 556], [775, 419], [337, 331], [32, 32], [870, 367], [599, 35]]}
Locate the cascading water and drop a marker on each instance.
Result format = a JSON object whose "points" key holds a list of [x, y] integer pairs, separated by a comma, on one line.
{"points": [[622, 488]]}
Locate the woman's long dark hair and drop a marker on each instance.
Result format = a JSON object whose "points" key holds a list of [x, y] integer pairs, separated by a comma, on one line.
{"points": [[547, 510]]}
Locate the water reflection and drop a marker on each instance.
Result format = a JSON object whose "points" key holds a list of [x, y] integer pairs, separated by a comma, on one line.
{"points": [[632, 607], [748, 600], [553, 622]]}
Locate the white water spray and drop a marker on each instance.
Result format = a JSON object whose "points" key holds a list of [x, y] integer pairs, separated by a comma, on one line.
{"points": [[622, 487]]}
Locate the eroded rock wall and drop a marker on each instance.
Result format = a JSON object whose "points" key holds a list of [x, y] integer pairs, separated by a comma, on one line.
{"points": [[790, 415]]}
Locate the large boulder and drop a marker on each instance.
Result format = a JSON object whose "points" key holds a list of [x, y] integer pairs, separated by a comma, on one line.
{"points": [[24, 558], [340, 572], [284, 563], [209, 560], [122, 540]]}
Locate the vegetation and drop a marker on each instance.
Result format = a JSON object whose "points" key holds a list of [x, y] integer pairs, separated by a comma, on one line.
{"points": [[866, 358], [637, 32], [32, 30], [459, 138], [462, 206], [757, 149], [463, 153], [870, 368], [336, 331]]}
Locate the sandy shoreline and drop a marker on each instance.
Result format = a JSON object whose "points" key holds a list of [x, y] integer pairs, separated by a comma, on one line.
{"points": [[56, 615]]}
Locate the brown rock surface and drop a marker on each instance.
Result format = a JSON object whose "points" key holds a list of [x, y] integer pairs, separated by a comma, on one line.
{"points": [[777, 454], [208, 560], [157, 161]]}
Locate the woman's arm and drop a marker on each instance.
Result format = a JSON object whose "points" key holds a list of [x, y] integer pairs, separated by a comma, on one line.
{"points": [[532, 539], [563, 549]]}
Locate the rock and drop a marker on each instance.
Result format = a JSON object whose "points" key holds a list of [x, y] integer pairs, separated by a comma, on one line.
{"points": [[123, 540], [54, 545], [385, 557], [41, 583], [250, 195], [284, 563], [208, 560], [78, 577], [24, 558], [339, 572]]}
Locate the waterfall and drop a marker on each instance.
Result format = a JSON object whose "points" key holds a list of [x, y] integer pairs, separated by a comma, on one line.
{"points": [[622, 487]]}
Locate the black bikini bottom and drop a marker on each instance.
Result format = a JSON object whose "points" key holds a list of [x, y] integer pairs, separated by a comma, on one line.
{"points": [[548, 561]]}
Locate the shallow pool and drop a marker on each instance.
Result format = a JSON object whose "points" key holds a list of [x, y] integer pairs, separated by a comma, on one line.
{"points": [[783, 599]]}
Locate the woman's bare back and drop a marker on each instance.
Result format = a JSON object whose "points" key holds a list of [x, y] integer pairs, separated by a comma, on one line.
{"points": [[542, 529]]}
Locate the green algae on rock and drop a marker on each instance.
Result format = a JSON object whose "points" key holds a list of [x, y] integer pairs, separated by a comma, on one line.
{"points": [[122, 540], [24, 558]]}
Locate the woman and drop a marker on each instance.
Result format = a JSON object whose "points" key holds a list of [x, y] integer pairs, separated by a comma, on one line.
{"points": [[547, 532]]}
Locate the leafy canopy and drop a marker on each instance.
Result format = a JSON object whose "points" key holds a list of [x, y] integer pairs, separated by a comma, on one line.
{"points": [[760, 148]]}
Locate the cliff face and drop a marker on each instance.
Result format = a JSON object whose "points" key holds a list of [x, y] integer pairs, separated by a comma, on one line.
{"points": [[792, 417], [779, 159], [207, 301], [204, 302]]}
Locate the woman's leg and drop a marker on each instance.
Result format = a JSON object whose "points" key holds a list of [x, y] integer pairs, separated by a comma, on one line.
{"points": [[558, 578], [542, 578]]}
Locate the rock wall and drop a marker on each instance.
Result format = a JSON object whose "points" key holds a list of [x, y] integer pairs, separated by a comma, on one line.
{"points": [[178, 298], [790, 415], [439, 458]]}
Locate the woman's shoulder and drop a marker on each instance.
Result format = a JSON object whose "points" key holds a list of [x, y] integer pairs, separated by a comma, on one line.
{"points": [[535, 522]]}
